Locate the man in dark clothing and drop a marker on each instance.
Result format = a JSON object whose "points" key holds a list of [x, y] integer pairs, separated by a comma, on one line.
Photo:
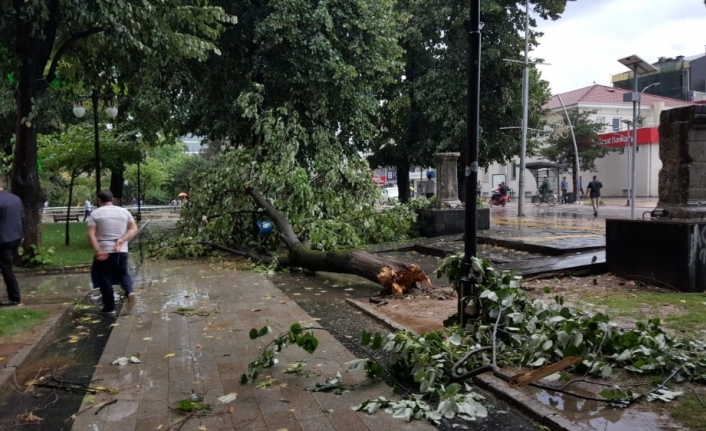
{"points": [[594, 187], [12, 219], [564, 190]]}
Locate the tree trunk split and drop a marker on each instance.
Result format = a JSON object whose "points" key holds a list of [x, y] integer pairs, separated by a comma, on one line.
{"points": [[395, 277]]}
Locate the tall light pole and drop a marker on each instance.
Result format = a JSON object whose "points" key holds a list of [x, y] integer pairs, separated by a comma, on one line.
{"points": [[470, 247], [576, 148], [639, 67], [79, 112], [627, 152], [525, 114]]}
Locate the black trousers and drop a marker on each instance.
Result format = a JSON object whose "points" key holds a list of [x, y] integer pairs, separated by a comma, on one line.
{"points": [[7, 254], [105, 273]]}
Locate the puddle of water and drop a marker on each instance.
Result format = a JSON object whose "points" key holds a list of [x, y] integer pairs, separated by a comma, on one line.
{"points": [[600, 416]]}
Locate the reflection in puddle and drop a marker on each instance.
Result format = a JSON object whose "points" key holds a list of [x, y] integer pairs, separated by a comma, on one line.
{"points": [[600, 416]]}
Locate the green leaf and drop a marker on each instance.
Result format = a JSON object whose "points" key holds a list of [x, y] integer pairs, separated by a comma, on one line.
{"points": [[366, 338], [546, 289], [377, 342]]}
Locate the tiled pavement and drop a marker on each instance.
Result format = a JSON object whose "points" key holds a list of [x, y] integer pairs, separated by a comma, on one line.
{"points": [[211, 349]]}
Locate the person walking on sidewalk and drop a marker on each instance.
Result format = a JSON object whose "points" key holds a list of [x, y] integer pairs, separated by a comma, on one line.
{"points": [[110, 228], [564, 189], [594, 187], [581, 186], [12, 222], [86, 209]]}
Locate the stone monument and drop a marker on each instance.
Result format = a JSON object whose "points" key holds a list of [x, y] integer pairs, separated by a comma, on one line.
{"points": [[449, 215], [670, 249], [447, 180], [682, 149]]}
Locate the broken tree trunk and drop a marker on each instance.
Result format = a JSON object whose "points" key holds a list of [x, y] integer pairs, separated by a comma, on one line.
{"points": [[395, 277]]}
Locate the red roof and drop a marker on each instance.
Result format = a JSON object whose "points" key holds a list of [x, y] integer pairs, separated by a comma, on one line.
{"points": [[604, 95]]}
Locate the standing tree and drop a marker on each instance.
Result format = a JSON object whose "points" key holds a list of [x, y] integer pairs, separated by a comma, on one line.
{"points": [[559, 147], [69, 152], [425, 110], [44, 33]]}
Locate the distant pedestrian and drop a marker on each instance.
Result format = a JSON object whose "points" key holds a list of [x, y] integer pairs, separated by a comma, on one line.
{"points": [[110, 228], [429, 187], [581, 185], [86, 209], [134, 201], [594, 187], [479, 188], [12, 220], [564, 189]]}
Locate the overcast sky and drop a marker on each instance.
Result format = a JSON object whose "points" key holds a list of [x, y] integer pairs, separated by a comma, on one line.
{"points": [[584, 45]]}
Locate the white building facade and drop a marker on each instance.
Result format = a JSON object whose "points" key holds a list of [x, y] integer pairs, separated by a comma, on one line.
{"points": [[613, 169]]}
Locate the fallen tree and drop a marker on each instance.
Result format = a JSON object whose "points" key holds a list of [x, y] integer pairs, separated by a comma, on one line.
{"points": [[395, 277]]}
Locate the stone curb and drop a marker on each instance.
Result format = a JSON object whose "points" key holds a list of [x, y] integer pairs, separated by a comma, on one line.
{"points": [[536, 411], [30, 352], [369, 310]]}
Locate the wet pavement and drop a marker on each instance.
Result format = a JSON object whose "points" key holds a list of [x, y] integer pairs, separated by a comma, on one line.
{"points": [[189, 328]]}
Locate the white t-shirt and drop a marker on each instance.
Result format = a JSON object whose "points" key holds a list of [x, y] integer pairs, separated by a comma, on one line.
{"points": [[111, 223], [87, 205]]}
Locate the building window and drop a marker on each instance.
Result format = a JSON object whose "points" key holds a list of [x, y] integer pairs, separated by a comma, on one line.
{"points": [[616, 124], [600, 120], [513, 173]]}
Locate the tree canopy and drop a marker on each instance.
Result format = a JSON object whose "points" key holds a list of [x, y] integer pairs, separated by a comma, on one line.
{"points": [[41, 40], [560, 146], [424, 110]]}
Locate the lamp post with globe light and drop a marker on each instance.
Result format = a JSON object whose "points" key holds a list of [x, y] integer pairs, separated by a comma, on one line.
{"points": [[111, 111]]}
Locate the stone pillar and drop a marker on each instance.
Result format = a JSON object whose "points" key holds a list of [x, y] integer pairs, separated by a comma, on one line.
{"points": [[447, 180], [682, 149]]}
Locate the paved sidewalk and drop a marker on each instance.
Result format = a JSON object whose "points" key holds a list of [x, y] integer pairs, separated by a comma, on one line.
{"points": [[211, 349]]}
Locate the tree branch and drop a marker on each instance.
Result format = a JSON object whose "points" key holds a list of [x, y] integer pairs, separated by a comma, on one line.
{"points": [[286, 232], [249, 254], [51, 74]]}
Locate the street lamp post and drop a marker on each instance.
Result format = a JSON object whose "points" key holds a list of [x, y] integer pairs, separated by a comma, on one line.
{"points": [[639, 67], [525, 113], [79, 112], [627, 152], [471, 172]]}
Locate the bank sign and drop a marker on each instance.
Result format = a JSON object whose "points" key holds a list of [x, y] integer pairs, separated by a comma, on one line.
{"points": [[646, 135]]}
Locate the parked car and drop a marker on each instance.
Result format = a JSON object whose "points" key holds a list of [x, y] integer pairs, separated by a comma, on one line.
{"points": [[389, 194]]}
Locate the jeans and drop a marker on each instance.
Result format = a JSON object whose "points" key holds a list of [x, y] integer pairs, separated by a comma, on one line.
{"points": [[106, 273], [86, 213], [7, 254]]}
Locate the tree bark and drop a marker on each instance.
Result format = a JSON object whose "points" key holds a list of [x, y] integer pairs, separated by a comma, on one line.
{"points": [[117, 182], [403, 182], [33, 48], [395, 277], [25, 177]]}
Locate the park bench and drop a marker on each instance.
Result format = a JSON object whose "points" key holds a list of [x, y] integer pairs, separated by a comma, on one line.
{"points": [[58, 218]]}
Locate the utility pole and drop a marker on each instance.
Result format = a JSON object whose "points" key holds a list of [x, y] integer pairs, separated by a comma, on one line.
{"points": [[525, 115], [470, 248]]}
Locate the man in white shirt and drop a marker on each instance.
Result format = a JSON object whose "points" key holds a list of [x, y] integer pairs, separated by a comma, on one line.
{"points": [[87, 209], [110, 228]]}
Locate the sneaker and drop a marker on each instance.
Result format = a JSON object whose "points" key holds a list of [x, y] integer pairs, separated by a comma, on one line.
{"points": [[8, 303], [107, 312]]}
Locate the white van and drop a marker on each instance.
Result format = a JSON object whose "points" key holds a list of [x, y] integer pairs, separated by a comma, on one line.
{"points": [[389, 194]]}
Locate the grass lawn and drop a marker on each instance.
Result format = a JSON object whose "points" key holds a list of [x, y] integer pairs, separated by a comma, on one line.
{"points": [[683, 313], [16, 320], [78, 253]]}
